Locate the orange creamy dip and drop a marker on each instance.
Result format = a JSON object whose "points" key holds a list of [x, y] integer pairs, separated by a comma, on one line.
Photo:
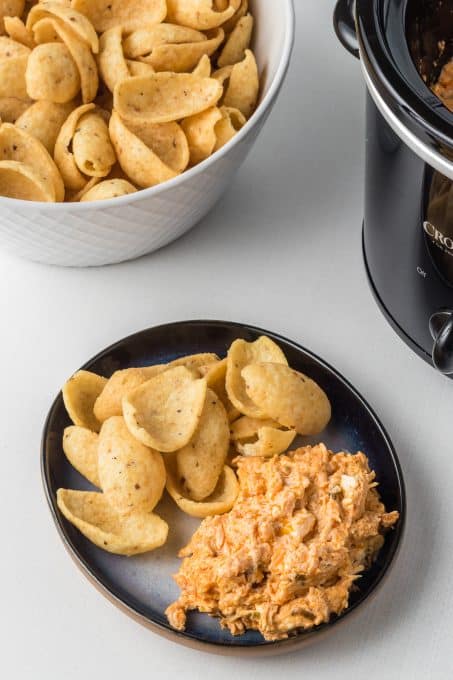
{"points": [[304, 527]]}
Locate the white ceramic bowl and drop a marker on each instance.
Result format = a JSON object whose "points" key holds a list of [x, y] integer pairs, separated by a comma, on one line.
{"points": [[104, 232]]}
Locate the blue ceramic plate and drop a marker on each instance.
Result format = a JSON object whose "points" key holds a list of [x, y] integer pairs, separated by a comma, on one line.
{"points": [[142, 586]]}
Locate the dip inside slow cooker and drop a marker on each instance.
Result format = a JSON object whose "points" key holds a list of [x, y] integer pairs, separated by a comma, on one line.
{"points": [[429, 31]]}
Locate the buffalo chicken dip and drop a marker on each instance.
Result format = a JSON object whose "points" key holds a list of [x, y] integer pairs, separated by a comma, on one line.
{"points": [[304, 527]]}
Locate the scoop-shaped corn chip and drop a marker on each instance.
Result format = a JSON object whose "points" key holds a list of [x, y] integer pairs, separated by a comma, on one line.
{"points": [[17, 145], [200, 14], [11, 108], [222, 75], [94, 518], [158, 93], [203, 68], [10, 48], [201, 134], [133, 14], [111, 61], [12, 77], [79, 395], [80, 52], [64, 157], [271, 442], [139, 68], [155, 369], [109, 403], [145, 165], [229, 25], [219, 502], [74, 20], [81, 448], [10, 8], [164, 412], [215, 374], [232, 121], [182, 58], [243, 87], [91, 146], [43, 120], [52, 74], [246, 428], [17, 31], [142, 41], [125, 380], [132, 475], [109, 188], [204, 369], [166, 140], [289, 397], [238, 41], [76, 196], [19, 180], [240, 354], [44, 31], [165, 97], [200, 462], [193, 361]]}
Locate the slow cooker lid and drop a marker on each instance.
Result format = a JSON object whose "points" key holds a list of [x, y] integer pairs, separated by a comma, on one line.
{"points": [[403, 46]]}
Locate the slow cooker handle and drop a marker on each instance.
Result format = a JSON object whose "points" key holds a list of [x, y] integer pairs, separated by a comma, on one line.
{"points": [[344, 24]]}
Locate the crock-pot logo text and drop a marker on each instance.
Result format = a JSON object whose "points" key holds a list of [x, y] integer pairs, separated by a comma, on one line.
{"points": [[442, 241]]}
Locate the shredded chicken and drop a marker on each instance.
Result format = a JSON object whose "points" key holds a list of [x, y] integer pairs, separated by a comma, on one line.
{"points": [[304, 526]]}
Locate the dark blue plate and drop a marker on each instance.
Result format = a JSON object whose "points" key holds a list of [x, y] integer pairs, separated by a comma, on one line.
{"points": [[142, 586]]}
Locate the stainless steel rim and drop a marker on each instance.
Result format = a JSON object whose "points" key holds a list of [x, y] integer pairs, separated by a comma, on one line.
{"points": [[431, 157]]}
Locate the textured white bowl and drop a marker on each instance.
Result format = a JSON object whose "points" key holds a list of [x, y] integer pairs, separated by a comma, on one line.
{"points": [[104, 232]]}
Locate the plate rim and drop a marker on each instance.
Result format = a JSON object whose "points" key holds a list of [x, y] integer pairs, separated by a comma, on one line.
{"points": [[187, 639]]}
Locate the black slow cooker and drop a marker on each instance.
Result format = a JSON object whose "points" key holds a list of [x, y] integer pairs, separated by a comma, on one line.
{"points": [[408, 226]]}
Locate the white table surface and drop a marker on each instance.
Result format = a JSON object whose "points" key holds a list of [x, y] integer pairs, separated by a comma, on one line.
{"points": [[281, 250]]}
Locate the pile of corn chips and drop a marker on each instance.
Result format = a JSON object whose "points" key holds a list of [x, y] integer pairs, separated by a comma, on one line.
{"points": [[100, 98], [178, 426]]}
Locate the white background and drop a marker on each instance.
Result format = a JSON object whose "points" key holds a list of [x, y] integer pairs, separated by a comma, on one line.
{"points": [[282, 250]]}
